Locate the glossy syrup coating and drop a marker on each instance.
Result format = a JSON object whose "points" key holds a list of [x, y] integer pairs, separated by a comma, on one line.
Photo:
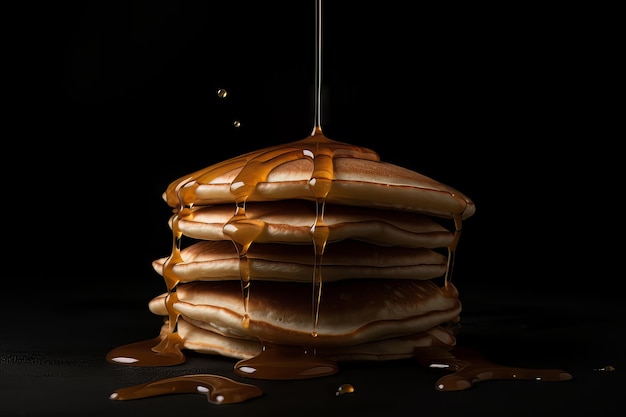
{"points": [[320, 169]]}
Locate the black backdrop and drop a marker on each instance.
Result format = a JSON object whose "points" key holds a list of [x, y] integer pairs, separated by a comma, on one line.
{"points": [[108, 103]]}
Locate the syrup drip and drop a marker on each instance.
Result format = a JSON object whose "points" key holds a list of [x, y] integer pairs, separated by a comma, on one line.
{"points": [[471, 368], [165, 350], [319, 233], [451, 252], [218, 389], [243, 232]]}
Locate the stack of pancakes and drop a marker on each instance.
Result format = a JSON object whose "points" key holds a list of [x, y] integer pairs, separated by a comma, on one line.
{"points": [[315, 243]]}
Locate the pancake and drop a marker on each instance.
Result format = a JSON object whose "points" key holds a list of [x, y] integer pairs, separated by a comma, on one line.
{"points": [[290, 221], [313, 168], [219, 260], [352, 311]]}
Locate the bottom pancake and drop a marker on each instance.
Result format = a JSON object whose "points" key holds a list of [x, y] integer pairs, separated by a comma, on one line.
{"points": [[205, 341]]}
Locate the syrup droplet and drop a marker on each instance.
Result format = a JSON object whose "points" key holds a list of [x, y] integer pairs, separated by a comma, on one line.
{"points": [[218, 389], [345, 389], [222, 93], [237, 124]]}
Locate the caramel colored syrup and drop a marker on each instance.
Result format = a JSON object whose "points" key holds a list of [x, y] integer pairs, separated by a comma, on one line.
{"points": [[470, 368], [218, 389], [165, 350], [319, 233], [243, 232], [458, 222]]}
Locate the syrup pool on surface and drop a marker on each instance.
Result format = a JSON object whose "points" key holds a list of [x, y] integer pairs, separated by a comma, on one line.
{"points": [[217, 389], [469, 368], [285, 362]]}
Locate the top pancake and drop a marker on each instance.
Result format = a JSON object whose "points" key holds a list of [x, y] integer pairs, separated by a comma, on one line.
{"points": [[318, 168]]}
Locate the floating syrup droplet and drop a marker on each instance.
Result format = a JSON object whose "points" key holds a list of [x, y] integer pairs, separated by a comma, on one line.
{"points": [[222, 93], [345, 389], [237, 124]]}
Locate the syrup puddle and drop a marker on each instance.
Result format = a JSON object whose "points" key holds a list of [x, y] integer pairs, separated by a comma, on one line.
{"points": [[217, 389], [164, 350], [470, 368], [285, 362]]}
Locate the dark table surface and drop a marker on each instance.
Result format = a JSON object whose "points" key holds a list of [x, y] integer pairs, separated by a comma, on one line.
{"points": [[53, 351]]}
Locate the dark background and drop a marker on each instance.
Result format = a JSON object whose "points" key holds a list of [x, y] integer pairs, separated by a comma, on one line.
{"points": [[107, 103]]}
